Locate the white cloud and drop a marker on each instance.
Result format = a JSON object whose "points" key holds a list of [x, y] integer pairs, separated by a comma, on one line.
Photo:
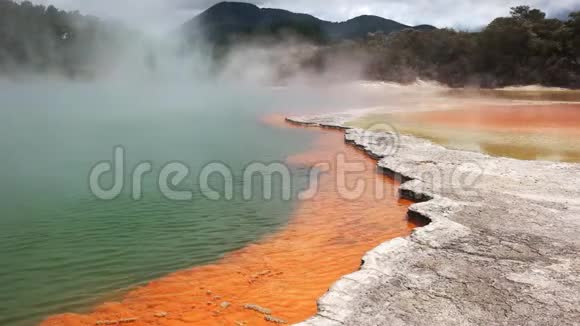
{"points": [[162, 15]]}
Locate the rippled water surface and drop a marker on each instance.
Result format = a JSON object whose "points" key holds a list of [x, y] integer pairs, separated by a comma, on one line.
{"points": [[63, 250], [288, 271]]}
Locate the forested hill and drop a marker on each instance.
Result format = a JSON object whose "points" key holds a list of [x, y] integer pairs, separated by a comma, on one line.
{"points": [[524, 48], [44, 39], [228, 21]]}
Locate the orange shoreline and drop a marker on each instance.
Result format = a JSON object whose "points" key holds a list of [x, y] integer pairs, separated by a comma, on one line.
{"points": [[559, 119], [286, 272]]}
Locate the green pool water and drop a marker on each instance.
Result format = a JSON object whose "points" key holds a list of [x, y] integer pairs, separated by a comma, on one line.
{"points": [[62, 249]]}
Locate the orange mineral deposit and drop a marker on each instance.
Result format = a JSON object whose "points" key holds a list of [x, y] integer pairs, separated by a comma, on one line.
{"points": [[280, 277]]}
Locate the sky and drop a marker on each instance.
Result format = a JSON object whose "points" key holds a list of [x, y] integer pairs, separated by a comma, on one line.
{"points": [[164, 15]]}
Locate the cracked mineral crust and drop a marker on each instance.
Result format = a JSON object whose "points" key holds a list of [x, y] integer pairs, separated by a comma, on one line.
{"points": [[502, 248]]}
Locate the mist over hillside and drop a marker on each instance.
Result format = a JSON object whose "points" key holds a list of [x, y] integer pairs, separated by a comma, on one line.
{"points": [[524, 48], [43, 39], [240, 41]]}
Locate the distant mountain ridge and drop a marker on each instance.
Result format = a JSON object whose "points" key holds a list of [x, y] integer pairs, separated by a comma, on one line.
{"points": [[227, 20]]}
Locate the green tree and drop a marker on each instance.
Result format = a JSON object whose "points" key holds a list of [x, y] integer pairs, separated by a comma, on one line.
{"points": [[573, 36], [526, 13]]}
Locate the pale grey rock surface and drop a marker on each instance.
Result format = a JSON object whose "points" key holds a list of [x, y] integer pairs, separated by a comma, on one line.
{"points": [[502, 248]]}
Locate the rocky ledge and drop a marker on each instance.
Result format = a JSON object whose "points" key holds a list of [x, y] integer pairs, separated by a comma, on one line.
{"points": [[502, 248]]}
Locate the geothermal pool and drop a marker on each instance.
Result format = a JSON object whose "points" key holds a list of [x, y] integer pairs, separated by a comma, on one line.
{"points": [[63, 250], [288, 271]]}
